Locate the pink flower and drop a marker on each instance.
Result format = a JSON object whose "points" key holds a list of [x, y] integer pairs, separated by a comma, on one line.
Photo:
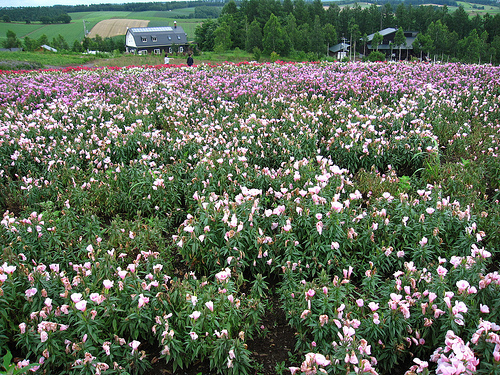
{"points": [[76, 297], [304, 314], [319, 227], [193, 335], [9, 269], [30, 292], [81, 305], [360, 302], [462, 285], [423, 241], [441, 271], [108, 284], [134, 345], [22, 328], [142, 300], [223, 276], [323, 319], [484, 309], [54, 267], [106, 346], [373, 306], [210, 305], [310, 293], [195, 315], [44, 336], [337, 206]]}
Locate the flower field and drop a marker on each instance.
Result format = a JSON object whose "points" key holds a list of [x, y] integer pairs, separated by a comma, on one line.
{"points": [[149, 213]]}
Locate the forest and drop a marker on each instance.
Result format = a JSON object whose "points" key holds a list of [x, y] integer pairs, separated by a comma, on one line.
{"points": [[306, 29]]}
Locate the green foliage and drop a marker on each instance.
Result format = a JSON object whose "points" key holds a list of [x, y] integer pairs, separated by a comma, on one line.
{"points": [[376, 56]]}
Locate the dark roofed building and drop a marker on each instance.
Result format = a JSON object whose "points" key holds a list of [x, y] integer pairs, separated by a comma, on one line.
{"points": [[388, 45], [142, 40]]}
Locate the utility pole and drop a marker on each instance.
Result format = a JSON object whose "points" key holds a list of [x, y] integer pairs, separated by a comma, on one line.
{"points": [[85, 32]]}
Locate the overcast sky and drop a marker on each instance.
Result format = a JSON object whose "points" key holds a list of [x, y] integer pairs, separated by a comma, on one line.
{"points": [[37, 3]]}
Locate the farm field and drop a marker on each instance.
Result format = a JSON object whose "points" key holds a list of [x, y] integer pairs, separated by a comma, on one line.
{"points": [[113, 27], [170, 218], [74, 30]]}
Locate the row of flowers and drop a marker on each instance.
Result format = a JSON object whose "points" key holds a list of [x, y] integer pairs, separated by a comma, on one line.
{"points": [[339, 180]]}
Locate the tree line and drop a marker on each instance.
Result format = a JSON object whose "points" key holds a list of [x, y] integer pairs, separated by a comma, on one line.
{"points": [[298, 28], [61, 45]]}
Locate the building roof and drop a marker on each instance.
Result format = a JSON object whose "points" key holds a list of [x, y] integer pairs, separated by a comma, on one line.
{"points": [[339, 47], [48, 48], [387, 47], [155, 36], [384, 32]]}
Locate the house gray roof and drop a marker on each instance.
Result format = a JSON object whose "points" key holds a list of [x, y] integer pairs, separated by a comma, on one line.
{"points": [[155, 36], [384, 32], [387, 47], [339, 47]]}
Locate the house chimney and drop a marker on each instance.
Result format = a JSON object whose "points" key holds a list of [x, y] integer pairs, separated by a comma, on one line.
{"points": [[175, 24]]}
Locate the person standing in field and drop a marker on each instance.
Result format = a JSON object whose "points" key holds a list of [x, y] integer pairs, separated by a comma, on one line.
{"points": [[167, 59], [190, 60]]}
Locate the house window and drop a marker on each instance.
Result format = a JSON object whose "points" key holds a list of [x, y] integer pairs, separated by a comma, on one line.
{"points": [[157, 51], [143, 52], [153, 38], [181, 49], [179, 37], [144, 39], [169, 49]]}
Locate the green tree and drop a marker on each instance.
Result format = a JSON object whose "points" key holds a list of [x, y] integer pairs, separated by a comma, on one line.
{"points": [[400, 40], [222, 40], [6, 18], [63, 18], [470, 47], [317, 38], [495, 46], [364, 39], [354, 34], [12, 40], [377, 39], [287, 7], [254, 36], [292, 31], [403, 16], [77, 46], [60, 43], [300, 12], [229, 8], [273, 40], [30, 44], [422, 44], [460, 22], [440, 36], [330, 35], [204, 35], [43, 40]]}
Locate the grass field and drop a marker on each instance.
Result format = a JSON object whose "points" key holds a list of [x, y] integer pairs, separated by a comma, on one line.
{"points": [[74, 30]]}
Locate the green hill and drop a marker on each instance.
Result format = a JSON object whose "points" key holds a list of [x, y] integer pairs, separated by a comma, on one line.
{"points": [[74, 30]]}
